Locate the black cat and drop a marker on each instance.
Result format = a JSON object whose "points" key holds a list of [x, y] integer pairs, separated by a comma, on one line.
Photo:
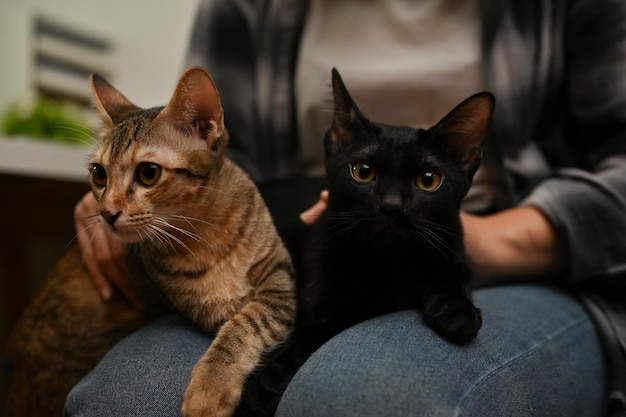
{"points": [[391, 237]]}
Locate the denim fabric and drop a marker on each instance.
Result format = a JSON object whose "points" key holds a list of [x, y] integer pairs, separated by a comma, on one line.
{"points": [[537, 355], [143, 375]]}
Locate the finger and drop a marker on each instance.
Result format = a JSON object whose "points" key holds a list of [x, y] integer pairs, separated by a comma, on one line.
{"points": [[103, 255], [88, 234], [99, 277], [115, 265], [311, 215]]}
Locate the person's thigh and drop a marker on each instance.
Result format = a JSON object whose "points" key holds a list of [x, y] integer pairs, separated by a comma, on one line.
{"points": [[537, 354], [143, 375]]}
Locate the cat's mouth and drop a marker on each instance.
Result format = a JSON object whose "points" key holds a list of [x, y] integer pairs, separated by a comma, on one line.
{"points": [[394, 226], [125, 233], [398, 226]]}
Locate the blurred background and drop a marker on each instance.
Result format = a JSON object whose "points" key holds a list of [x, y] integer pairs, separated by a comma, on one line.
{"points": [[139, 45], [48, 48]]}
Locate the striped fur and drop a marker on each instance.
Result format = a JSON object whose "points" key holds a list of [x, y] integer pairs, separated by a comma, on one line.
{"points": [[201, 242]]}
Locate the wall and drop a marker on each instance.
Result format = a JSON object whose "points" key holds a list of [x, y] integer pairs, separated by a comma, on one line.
{"points": [[150, 36]]}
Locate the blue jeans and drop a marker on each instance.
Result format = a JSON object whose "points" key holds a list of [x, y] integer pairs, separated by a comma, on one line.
{"points": [[537, 354]]}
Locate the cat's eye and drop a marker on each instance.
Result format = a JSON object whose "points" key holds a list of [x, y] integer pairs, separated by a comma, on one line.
{"points": [[362, 171], [98, 175], [428, 180], [148, 173]]}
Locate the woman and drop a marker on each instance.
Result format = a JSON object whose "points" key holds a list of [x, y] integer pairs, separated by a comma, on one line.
{"points": [[548, 206]]}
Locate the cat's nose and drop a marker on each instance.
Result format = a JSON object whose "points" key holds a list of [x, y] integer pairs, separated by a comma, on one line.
{"points": [[392, 204], [110, 217]]}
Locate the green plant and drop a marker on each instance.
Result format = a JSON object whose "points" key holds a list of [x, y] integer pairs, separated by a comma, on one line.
{"points": [[47, 119]]}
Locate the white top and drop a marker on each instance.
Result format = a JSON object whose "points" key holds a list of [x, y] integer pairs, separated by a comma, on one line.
{"points": [[406, 62]]}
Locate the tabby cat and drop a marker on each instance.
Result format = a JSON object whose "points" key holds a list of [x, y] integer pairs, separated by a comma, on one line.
{"points": [[390, 238], [201, 242]]}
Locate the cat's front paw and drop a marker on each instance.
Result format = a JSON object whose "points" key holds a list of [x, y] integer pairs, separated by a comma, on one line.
{"points": [[210, 396], [455, 318]]}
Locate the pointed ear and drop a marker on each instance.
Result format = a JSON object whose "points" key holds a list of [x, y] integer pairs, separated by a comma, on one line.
{"points": [[111, 104], [463, 130], [195, 107], [346, 114]]}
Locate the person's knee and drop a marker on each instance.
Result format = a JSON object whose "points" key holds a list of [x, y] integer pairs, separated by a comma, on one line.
{"points": [[386, 366], [564, 376], [144, 374], [537, 354]]}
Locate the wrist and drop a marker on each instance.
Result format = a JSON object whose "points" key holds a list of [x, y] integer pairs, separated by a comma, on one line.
{"points": [[516, 243]]}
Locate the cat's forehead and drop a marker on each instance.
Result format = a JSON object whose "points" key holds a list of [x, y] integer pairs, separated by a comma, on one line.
{"points": [[393, 142], [134, 129], [136, 153], [124, 149], [143, 137]]}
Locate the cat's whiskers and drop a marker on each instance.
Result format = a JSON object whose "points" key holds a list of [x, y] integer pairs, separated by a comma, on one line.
{"points": [[435, 242], [154, 235], [430, 233], [186, 220], [206, 187], [81, 129], [170, 238], [185, 232], [344, 215], [86, 129], [427, 232], [441, 228], [343, 222], [334, 232], [85, 230], [189, 220]]}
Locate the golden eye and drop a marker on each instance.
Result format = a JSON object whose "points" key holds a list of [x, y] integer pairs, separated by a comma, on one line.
{"points": [[98, 175], [363, 172], [428, 180], [148, 173]]}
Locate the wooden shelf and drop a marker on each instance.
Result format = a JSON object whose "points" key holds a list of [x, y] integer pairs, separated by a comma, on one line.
{"points": [[43, 159], [41, 182]]}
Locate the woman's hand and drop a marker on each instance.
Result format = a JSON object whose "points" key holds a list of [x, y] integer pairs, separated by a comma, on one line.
{"points": [[102, 253], [311, 215], [513, 243]]}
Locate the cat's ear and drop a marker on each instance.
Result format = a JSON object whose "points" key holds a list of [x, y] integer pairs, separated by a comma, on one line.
{"points": [[346, 114], [463, 130], [195, 107], [111, 104]]}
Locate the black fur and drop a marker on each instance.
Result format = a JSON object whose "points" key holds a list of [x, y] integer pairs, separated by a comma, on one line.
{"points": [[383, 244]]}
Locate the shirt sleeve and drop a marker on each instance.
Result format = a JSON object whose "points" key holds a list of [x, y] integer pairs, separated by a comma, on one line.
{"points": [[589, 210], [585, 198]]}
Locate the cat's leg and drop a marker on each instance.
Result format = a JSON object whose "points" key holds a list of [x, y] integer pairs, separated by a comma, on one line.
{"points": [[264, 322], [537, 355], [452, 314], [265, 387], [448, 308]]}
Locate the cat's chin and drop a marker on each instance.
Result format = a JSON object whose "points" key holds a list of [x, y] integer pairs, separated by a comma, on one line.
{"points": [[127, 236], [130, 239], [389, 234], [393, 228]]}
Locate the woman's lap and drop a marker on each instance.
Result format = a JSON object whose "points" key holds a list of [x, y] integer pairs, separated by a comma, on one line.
{"points": [[143, 375], [536, 355]]}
